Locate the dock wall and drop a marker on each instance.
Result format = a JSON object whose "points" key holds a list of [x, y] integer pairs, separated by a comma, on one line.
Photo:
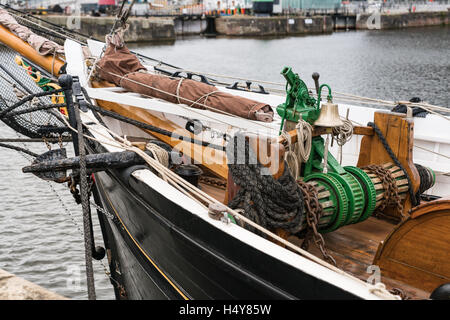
{"points": [[15, 288], [140, 29], [167, 29], [402, 20], [272, 26]]}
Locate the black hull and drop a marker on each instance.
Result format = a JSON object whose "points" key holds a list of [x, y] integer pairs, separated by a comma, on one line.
{"points": [[159, 250]]}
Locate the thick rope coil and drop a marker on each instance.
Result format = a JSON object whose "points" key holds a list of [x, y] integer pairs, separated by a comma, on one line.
{"points": [[161, 155], [426, 179], [304, 140], [342, 135], [268, 202], [290, 157], [299, 152]]}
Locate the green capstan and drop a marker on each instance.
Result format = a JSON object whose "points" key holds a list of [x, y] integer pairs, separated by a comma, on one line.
{"points": [[350, 190], [298, 101]]}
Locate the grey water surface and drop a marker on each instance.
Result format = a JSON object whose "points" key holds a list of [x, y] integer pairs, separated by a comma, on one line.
{"points": [[40, 238]]}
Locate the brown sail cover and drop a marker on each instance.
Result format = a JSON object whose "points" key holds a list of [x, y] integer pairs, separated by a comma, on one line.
{"points": [[121, 67]]}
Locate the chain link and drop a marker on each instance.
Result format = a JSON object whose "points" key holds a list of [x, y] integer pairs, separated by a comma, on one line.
{"points": [[391, 195], [314, 212], [222, 184]]}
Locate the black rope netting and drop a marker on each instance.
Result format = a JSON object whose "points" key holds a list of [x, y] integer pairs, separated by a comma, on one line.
{"points": [[17, 86]]}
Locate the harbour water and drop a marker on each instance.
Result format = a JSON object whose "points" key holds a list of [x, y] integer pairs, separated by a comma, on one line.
{"points": [[40, 237]]}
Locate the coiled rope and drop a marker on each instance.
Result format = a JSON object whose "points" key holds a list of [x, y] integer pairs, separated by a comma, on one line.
{"points": [[299, 152], [271, 203]]}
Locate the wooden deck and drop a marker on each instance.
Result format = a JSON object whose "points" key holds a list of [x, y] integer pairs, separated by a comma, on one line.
{"points": [[354, 248]]}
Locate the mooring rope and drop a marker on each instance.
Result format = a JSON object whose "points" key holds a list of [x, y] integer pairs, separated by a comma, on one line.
{"points": [[272, 203], [84, 187]]}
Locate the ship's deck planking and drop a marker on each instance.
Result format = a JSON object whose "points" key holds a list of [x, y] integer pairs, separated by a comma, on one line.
{"points": [[353, 247]]}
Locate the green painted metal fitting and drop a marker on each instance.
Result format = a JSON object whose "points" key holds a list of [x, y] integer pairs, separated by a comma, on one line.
{"points": [[329, 97], [298, 101], [339, 198], [369, 191], [355, 196]]}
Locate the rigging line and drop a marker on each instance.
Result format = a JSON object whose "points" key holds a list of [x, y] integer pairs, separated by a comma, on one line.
{"points": [[428, 150], [53, 32], [434, 112], [117, 145], [152, 128], [8, 146], [386, 102], [283, 84], [69, 32]]}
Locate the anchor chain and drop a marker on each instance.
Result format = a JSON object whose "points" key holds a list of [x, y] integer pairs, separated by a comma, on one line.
{"points": [[391, 194], [219, 183], [414, 200], [314, 212]]}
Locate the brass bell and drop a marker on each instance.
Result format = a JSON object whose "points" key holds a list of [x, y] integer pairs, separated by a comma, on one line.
{"points": [[329, 116]]}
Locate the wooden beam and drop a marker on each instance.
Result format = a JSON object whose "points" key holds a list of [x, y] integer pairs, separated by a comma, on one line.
{"points": [[14, 42], [398, 132], [205, 156], [366, 131]]}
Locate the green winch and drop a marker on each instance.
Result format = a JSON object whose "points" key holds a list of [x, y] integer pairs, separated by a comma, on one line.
{"points": [[347, 194]]}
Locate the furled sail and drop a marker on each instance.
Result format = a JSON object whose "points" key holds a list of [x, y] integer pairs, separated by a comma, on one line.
{"points": [[42, 45], [119, 66]]}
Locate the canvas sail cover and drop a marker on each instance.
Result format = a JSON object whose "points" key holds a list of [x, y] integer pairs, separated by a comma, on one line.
{"points": [[119, 66], [42, 45]]}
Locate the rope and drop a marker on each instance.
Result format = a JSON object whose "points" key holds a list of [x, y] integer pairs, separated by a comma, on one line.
{"points": [[336, 94], [159, 154], [299, 152], [28, 98], [269, 202], [426, 179], [4, 145], [342, 135], [437, 153], [84, 187], [147, 126], [33, 109], [380, 135]]}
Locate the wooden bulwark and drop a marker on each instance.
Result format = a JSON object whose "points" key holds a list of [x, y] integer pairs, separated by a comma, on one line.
{"points": [[417, 251]]}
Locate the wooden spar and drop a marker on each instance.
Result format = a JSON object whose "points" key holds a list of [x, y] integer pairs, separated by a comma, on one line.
{"points": [[215, 160], [15, 43], [366, 131], [269, 154]]}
